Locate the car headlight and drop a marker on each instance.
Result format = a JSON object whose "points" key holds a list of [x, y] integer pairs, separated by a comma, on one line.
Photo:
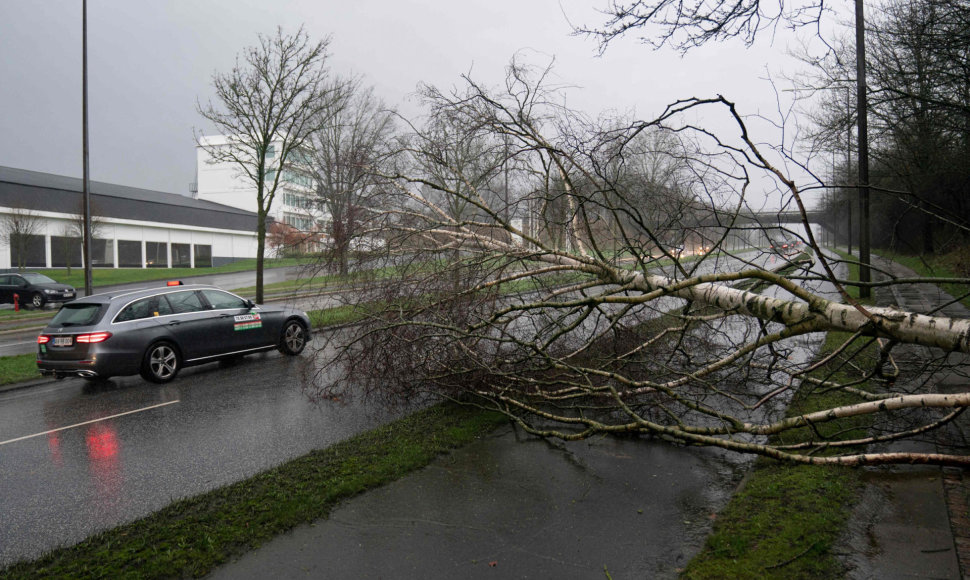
{"points": [[48, 291]]}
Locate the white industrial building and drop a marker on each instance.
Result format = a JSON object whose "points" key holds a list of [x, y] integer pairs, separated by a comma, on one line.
{"points": [[134, 228], [223, 183]]}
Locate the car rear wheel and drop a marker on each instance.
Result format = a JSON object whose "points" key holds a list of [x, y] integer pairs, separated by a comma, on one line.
{"points": [[161, 363], [37, 300], [293, 338]]}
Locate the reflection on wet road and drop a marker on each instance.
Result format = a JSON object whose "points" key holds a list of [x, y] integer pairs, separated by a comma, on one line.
{"points": [[76, 458]]}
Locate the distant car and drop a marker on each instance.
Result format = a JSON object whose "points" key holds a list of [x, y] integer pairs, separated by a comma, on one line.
{"points": [[157, 331], [34, 289]]}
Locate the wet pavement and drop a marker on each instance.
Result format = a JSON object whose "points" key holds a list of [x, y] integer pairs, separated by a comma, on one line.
{"points": [[515, 506], [77, 458], [912, 521]]}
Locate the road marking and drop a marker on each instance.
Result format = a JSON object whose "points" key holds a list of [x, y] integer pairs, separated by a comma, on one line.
{"points": [[11, 344], [88, 422]]}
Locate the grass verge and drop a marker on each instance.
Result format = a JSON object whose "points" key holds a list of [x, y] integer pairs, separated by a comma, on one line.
{"points": [[785, 521], [18, 368], [193, 536]]}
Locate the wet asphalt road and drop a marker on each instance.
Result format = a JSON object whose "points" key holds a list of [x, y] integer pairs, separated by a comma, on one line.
{"points": [[76, 458]]}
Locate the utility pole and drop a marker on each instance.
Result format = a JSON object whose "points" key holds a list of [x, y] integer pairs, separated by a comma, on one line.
{"points": [[848, 163], [86, 241], [865, 275]]}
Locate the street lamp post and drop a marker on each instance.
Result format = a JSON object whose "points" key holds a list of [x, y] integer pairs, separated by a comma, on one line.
{"points": [[86, 240], [865, 275]]}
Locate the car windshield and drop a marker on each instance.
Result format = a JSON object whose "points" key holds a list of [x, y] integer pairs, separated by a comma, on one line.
{"points": [[78, 314], [35, 278]]}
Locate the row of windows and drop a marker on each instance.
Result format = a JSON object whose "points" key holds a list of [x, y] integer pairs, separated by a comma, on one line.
{"points": [[30, 252], [294, 200], [179, 303]]}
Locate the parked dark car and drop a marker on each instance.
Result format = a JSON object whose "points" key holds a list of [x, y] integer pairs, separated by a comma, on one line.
{"points": [[34, 289], [157, 331]]}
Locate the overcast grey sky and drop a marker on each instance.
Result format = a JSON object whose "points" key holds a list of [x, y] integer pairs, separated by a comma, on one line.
{"points": [[149, 62]]}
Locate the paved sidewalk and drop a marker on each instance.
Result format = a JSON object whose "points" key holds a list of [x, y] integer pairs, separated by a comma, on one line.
{"points": [[912, 521]]}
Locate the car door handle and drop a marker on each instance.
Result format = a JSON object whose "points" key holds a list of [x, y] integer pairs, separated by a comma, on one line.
{"points": [[175, 323]]}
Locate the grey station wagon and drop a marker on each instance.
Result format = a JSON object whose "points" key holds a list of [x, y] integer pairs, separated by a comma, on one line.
{"points": [[157, 331]]}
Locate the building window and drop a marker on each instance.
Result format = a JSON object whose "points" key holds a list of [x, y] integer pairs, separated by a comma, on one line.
{"points": [[301, 222], [293, 200], [102, 253], [129, 254], [156, 254], [27, 251], [66, 251], [298, 178], [203, 256], [181, 256]]}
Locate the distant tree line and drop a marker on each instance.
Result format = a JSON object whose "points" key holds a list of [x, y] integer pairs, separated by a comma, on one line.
{"points": [[918, 59]]}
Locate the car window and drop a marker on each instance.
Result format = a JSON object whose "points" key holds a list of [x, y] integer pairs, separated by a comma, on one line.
{"points": [[4, 280], [35, 278], [78, 314], [220, 300], [182, 302], [144, 308]]}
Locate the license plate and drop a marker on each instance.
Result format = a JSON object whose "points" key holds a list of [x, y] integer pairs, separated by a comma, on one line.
{"points": [[62, 341], [68, 294]]}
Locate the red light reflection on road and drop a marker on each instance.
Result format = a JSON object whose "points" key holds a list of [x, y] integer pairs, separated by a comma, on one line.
{"points": [[102, 442], [105, 463], [54, 444]]}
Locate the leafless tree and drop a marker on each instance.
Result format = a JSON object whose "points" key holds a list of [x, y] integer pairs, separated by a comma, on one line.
{"points": [[268, 106], [18, 225], [347, 152], [688, 24], [613, 332], [73, 232]]}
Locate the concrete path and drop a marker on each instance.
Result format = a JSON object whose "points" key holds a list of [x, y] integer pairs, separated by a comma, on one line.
{"points": [[912, 521]]}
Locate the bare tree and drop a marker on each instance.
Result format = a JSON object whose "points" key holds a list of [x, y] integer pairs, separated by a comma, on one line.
{"points": [[347, 152], [269, 105], [73, 233], [603, 335], [18, 226], [692, 23]]}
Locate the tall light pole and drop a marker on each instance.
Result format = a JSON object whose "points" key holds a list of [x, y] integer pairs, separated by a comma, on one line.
{"points": [[862, 114], [86, 240]]}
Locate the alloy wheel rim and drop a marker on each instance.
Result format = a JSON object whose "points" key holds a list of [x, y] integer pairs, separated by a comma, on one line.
{"points": [[294, 337], [163, 362]]}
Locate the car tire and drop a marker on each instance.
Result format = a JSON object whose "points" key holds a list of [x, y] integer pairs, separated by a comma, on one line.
{"points": [[293, 338], [37, 300], [161, 363]]}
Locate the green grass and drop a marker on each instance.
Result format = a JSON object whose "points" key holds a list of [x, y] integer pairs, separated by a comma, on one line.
{"points": [[112, 276], [192, 536], [18, 368], [786, 520]]}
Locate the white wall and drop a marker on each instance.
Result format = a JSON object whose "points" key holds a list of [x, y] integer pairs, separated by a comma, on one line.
{"points": [[225, 243]]}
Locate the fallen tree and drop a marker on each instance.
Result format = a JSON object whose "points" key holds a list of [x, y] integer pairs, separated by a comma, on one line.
{"points": [[614, 276]]}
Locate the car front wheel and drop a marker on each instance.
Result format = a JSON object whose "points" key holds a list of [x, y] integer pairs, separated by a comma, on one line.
{"points": [[161, 363], [37, 300], [293, 338]]}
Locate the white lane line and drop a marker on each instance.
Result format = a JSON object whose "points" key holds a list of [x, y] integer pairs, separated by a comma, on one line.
{"points": [[88, 422], [12, 344]]}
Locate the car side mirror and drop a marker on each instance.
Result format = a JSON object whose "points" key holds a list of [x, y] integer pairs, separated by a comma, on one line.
{"points": [[250, 303]]}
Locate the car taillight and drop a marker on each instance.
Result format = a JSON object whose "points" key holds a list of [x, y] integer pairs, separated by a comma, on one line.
{"points": [[42, 339], [92, 338]]}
